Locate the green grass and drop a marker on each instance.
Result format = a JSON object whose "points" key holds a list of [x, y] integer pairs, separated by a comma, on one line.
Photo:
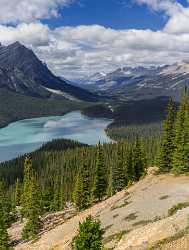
{"points": [[177, 207]]}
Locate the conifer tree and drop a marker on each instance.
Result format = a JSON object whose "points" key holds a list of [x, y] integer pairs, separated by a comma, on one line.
{"points": [[100, 185], [55, 206], [5, 203], [33, 224], [119, 172], [28, 169], [81, 194], [18, 192], [78, 195], [167, 141], [86, 182], [62, 197], [180, 162], [129, 166], [139, 160], [4, 238], [89, 236]]}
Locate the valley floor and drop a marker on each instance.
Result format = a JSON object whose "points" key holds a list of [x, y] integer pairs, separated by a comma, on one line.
{"points": [[136, 218]]}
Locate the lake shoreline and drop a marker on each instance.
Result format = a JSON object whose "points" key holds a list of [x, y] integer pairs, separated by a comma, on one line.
{"points": [[26, 135]]}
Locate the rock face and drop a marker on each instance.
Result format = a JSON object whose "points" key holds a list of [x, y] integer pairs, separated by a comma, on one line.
{"points": [[21, 71]]}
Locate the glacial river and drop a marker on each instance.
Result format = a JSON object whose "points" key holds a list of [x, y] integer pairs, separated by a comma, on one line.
{"points": [[27, 135]]}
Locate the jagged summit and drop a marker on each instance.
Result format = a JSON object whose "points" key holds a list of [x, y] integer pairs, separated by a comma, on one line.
{"points": [[23, 72]]}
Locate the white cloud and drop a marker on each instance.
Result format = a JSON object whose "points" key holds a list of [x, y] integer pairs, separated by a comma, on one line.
{"points": [[35, 34], [171, 7], [76, 51], [15, 11], [83, 50]]}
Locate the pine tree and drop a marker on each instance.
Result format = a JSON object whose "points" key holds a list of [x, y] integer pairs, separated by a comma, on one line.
{"points": [[62, 197], [17, 195], [58, 201], [86, 182], [119, 172], [100, 185], [129, 166], [33, 224], [6, 203], [55, 206], [90, 235], [81, 194], [28, 169], [139, 160], [4, 238], [167, 141], [78, 192], [180, 162]]}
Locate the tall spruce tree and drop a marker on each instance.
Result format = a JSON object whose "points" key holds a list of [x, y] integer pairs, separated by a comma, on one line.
{"points": [[129, 166], [28, 170], [119, 176], [81, 194], [101, 183], [180, 162], [4, 238], [167, 141], [86, 183], [139, 160], [33, 224], [89, 236], [78, 191], [55, 205], [18, 193]]}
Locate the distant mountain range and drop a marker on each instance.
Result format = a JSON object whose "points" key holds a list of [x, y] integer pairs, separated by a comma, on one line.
{"points": [[141, 82], [22, 72]]}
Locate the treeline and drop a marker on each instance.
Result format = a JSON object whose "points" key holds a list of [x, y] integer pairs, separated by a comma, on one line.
{"points": [[120, 130], [174, 148], [83, 175]]}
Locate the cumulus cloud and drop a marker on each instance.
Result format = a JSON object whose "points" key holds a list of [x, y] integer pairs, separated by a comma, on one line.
{"points": [[83, 50], [73, 52], [35, 34], [15, 11]]}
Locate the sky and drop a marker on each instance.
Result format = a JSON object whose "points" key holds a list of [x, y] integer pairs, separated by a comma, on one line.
{"points": [[77, 38]]}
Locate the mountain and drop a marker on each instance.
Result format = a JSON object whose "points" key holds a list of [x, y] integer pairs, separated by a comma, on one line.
{"points": [[142, 82], [22, 72]]}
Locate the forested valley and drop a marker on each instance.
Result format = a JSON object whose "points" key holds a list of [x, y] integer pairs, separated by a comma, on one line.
{"points": [[65, 171]]}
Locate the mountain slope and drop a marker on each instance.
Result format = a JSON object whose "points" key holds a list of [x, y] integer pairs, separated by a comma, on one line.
{"points": [[142, 210], [141, 82], [15, 106], [21, 71]]}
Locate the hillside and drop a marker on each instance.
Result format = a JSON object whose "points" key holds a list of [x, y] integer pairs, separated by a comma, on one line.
{"points": [[136, 217], [22, 72], [29, 89], [15, 106]]}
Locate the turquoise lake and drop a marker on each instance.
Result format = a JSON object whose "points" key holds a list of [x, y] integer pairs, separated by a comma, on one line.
{"points": [[28, 135]]}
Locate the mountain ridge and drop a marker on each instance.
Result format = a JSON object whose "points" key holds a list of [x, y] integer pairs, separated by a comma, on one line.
{"points": [[21, 71], [142, 82]]}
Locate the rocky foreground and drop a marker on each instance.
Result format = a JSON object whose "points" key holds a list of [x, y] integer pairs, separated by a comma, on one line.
{"points": [[136, 218]]}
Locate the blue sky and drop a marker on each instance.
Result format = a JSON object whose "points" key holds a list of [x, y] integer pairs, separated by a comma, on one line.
{"points": [[77, 38], [116, 14]]}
